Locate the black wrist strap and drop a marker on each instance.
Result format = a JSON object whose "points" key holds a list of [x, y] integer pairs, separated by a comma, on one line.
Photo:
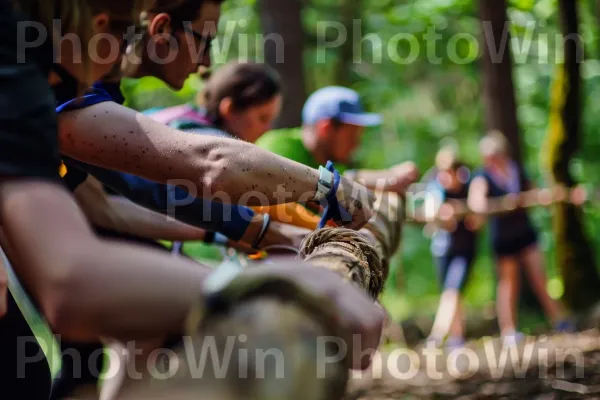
{"points": [[209, 237]]}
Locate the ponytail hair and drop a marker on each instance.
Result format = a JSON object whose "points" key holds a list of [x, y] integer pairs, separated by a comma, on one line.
{"points": [[246, 84]]}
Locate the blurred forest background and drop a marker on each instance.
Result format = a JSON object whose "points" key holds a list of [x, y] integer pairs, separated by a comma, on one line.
{"points": [[425, 100]]}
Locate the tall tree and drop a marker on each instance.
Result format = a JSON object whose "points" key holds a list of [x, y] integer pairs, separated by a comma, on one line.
{"points": [[574, 254], [498, 89], [349, 11], [595, 11], [284, 51]]}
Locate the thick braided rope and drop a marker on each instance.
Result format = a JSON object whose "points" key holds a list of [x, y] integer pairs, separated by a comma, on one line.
{"points": [[369, 250], [348, 247], [386, 227], [381, 247]]}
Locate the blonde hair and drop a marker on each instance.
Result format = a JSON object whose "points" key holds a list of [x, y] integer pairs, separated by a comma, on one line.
{"points": [[493, 144], [446, 157]]}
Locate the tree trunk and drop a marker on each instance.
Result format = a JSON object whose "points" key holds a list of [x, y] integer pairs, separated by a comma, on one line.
{"points": [[596, 13], [283, 49], [574, 253], [499, 95], [349, 11], [499, 98]]}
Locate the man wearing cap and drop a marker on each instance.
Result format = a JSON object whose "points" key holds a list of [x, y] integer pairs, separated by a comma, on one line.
{"points": [[333, 121]]}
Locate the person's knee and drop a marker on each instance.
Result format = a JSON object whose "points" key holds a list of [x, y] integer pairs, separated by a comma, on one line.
{"points": [[507, 265]]}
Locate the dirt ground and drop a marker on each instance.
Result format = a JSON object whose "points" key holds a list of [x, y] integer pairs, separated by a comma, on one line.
{"points": [[546, 367]]}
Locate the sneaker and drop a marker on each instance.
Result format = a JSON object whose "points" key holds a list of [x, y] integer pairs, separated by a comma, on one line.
{"points": [[434, 341], [565, 326], [455, 342]]}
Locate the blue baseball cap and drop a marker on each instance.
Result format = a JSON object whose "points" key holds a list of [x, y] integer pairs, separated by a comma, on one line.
{"points": [[335, 102]]}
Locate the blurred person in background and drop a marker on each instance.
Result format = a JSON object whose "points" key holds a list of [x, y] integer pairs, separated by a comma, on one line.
{"points": [[240, 99], [453, 246], [514, 238], [333, 122]]}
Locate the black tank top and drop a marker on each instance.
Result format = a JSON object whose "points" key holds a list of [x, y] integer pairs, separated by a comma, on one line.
{"points": [[461, 240], [515, 224]]}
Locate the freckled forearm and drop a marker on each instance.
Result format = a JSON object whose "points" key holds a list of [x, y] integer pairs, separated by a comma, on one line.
{"points": [[113, 137], [258, 176]]}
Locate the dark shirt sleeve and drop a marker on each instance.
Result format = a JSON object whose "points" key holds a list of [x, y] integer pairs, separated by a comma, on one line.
{"points": [[230, 220], [28, 128], [74, 177]]}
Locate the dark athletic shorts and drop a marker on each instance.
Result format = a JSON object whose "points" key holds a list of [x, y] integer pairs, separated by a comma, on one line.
{"points": [[516, 245], [24, 369]]}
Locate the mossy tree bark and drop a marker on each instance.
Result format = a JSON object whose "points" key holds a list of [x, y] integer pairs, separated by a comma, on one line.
{"points": [[574, 254]]}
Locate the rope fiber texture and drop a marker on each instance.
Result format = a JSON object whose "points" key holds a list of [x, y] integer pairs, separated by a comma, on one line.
{"points": [[361, 257]]}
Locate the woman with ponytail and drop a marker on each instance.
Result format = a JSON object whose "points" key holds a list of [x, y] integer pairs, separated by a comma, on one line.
{"points": [[241, 99]]}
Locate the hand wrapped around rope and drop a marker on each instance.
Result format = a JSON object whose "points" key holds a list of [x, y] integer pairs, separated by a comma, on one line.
{"points": [[267, 338], [361, 257], [386, 227]]}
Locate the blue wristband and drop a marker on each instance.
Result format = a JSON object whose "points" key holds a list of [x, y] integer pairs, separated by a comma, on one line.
{"points": [[333, 210], [221, 239]]}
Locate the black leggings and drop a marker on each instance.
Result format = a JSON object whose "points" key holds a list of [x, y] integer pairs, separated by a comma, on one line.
{"points": [[23, 366]]}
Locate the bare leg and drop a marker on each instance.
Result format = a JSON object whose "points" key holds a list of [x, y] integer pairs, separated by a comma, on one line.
{"points": [[457, 328], [532, 258], [446, 314], [449, 318], [507, 293]]}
